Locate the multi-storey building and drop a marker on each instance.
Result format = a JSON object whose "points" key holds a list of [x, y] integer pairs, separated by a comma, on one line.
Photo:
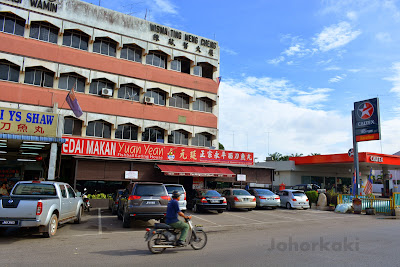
{"points": [[148, 93]]}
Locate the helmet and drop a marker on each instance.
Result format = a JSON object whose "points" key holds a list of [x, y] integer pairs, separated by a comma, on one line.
{"points": [[176, 194]]}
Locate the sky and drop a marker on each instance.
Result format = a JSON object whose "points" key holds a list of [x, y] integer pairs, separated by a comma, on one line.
{"points": [[292, 69]]}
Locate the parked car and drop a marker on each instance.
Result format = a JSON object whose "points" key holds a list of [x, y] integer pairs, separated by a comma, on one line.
{"points": [[114, 201], [206, 199], [306, 187], [294, 199], [40, 204], [265, 198], [239, 199], [143, 201], [182, 199]]}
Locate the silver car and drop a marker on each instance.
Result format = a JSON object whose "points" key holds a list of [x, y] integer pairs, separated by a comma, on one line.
{"points": [[182, 199], [265, 198], [294, 199]]}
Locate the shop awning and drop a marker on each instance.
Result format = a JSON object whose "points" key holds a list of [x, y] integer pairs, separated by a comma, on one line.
{"points": [[33, 138], [182, 170]]}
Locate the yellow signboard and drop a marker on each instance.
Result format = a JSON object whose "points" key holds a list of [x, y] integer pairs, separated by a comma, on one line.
{"points": [[25, 122]]}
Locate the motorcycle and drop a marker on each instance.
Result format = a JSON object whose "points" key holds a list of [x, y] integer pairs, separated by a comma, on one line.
{"points": [[164, 236], [86, 202]]}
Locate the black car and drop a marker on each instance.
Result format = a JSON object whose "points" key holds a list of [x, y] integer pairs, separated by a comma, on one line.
{"points": [[114, 201], [206, 199], [306, 187]]}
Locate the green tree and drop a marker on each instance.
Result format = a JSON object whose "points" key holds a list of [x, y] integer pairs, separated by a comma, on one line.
{"points": [[275, 156], [221, 146], [314, 154], [296, 155]]}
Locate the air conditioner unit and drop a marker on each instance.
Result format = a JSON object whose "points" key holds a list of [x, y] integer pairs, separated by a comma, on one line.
{"points": [[149, 100], [106, 92]]}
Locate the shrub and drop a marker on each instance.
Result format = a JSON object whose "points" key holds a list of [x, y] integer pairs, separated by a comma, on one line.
{"points": [[331, 197], [312, 196]]}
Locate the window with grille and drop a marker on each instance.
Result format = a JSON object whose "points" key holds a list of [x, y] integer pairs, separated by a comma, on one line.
{"points": [[76, 39], [153, 134], [98, 84], [179, 101], [127, 131], [11, 23], [69, 80], [72, 126], [178, 137], [9, 71], [202, 139], [44, 31], [156, 58], [203, 104], [39, 76], [99, 129], [158, 95], [132, 53], [105, 46], [129, 91]]}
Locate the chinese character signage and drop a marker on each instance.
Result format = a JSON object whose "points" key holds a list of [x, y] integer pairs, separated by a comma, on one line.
{"points": [[25, 122], [137, 150], [367, 124]]}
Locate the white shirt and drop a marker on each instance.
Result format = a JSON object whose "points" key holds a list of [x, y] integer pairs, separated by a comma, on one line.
{"points": [[3, 191]]}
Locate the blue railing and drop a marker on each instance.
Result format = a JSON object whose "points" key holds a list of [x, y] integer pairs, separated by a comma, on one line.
{"points": [[380, 205]]}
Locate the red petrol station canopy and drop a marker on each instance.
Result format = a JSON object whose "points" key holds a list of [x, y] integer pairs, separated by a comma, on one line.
{"points": [[364, 157], [181, 170]]}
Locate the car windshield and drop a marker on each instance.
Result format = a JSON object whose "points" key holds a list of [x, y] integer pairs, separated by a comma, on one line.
{"points": [[172, 188], [298, 194], [35, 189], [241, 193], [149, 190], [264, 192], [210, 193]]}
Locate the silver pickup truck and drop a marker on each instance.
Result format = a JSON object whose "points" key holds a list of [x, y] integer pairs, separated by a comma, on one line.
{"points": [[40, 204]]}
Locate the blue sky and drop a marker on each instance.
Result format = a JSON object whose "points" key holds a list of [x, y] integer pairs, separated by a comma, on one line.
{"points": [[291, 70]]}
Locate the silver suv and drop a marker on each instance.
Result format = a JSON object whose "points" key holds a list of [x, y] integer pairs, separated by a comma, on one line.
{"points": [[143, 201], [182, 199]]}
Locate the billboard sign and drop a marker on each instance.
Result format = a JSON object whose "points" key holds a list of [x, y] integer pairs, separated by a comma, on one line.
{"points": [[367, 121]]}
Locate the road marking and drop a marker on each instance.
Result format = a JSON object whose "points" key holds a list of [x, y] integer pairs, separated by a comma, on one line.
{"points": [[279, 216], [205, 220], [244, 218], [100, 227]]}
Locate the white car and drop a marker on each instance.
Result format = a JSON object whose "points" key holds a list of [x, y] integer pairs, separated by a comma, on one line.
{"points": [[294, 199], [178, 187]]}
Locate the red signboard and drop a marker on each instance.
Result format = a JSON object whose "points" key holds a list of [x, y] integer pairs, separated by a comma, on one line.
{"points": [[137, 150]]}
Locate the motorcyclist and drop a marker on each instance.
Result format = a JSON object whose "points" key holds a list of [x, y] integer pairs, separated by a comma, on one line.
{"points": [[173, 211]]}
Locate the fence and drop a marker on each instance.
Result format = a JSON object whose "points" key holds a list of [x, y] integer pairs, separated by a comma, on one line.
{"points": [[380, 205], [396, 200]]}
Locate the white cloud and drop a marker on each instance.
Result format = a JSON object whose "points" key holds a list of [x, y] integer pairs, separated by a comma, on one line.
{"points": [[337, 78], [351, 15], [335, 36], [332, 68], [383, 37], [395, 79], [229, 51], [312, 98], [276, 61], [166, 6]]}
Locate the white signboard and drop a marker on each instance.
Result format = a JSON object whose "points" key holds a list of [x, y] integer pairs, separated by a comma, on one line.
{"points": [[241, 177], [131, 174]]}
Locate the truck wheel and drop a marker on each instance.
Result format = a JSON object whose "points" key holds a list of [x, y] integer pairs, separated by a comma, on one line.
{"points": [[79, 216], [51, 228], [126, 221]]}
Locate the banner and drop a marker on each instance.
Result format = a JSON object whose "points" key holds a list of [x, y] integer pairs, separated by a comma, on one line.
{"points": [[137, 150], [25, 122], [367, 124]]}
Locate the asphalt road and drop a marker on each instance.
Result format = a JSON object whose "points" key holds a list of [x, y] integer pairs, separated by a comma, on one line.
{"points": [[239, 238]]}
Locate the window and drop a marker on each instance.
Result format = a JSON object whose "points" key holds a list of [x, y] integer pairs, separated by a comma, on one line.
{"points": [[69, 80], [156, 58], [63, 192], [39, 76], [9, 71], [44, 31], [178, 137], [153, 134], [132, 52], [206, 70], [11, 23], [202, 139], [99, 129], [203, 104], [72, 126], [105, 46], [76, 39], [181, 64], [97, 85], [129, 132], [71, 192], [158, 95], [197, 71], [129, 91], [179, 101]]}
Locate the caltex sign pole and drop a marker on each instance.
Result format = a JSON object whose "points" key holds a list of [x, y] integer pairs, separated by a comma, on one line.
{"points": [[354, 183]]}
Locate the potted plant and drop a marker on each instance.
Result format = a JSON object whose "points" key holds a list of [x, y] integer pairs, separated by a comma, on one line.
{"points": [[331, 207], [312, 198]]}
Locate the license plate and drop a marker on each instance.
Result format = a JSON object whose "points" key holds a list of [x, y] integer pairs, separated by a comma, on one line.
{"points": [[150, 202], [8, 222], [302, 203], [214, 201]]}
